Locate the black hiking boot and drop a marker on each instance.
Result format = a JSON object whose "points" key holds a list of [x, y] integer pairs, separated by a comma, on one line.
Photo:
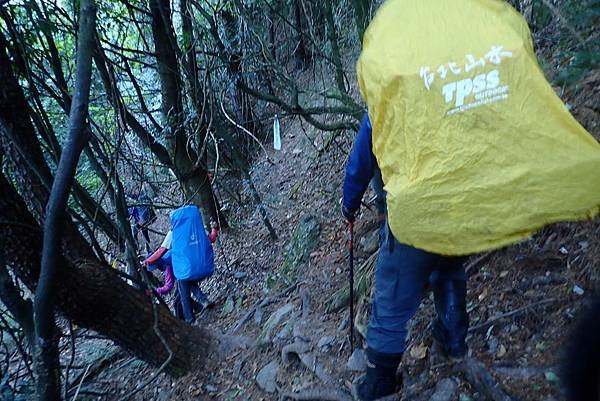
{"points": [[450, 327], [380, 379], [454, 353]]}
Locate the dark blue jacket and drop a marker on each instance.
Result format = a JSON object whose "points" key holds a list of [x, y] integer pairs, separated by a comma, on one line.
{"points": [[143, 213], [360, 168]]}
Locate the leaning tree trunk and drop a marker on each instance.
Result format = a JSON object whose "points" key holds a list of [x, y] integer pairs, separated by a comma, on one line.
{"points": [[93, 296]]}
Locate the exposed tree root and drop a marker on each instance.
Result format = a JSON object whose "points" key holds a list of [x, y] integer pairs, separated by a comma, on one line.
{"points": [[478, 376], [297, 348]]}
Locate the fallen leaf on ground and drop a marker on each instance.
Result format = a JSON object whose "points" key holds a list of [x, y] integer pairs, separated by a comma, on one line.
{"points": [[418, 351], [501, 351]]}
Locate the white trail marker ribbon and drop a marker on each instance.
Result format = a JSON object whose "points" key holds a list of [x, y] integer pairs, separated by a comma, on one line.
{"points": [[276, 133]]}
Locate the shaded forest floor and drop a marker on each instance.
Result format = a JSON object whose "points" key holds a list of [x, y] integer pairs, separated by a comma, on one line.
{"points": [[522, 300]]}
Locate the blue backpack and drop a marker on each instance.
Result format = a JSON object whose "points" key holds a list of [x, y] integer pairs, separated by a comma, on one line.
{"points": [[192, 254]]}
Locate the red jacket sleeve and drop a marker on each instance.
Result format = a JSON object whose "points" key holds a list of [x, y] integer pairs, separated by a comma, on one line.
{"points": [[155, 256]]}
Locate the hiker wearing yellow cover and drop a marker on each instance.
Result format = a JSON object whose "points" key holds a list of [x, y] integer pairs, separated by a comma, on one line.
{"points": [[401, 275], [476, 152]]}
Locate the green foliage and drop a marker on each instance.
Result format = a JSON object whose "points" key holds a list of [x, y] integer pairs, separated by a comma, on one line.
{"points": [[580, 64], [88, 179], [542, 16], [303, 242], [573, 29], [586, 13], [579, 44]]}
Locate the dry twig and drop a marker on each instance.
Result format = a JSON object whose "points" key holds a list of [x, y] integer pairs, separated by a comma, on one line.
{"points": [[516, 312], [477, 261], [81, 381]]}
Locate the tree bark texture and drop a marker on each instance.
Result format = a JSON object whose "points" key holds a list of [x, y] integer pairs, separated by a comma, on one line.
{"points": [[19, 308], [340, 77], [93, 296], [188, 167], [15, 146], [362, 9], [272, 40], [300, 53], [233, 56], [190, 61], [46, 356]]}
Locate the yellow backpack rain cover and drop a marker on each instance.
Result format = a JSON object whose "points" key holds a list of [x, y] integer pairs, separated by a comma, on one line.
{"points": [[475, 149]]}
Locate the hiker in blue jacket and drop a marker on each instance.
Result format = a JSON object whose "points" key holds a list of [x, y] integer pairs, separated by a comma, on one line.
{"points": [[192, 255], [143, 215], [401, 275]]}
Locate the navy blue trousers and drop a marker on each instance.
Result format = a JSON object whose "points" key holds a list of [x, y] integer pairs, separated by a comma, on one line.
{"points": [[186, 289], [401, 276]]}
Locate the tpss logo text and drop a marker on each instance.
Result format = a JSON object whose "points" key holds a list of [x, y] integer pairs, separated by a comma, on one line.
{"points": [[463, 88], [470, 92]]}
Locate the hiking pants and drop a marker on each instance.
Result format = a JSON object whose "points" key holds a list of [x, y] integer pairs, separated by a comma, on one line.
{"points": [[401, 276], [178, 307], [186, 289]]}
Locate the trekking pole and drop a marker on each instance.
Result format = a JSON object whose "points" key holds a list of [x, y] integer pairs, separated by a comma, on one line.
{"points": [[351, 262]]}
